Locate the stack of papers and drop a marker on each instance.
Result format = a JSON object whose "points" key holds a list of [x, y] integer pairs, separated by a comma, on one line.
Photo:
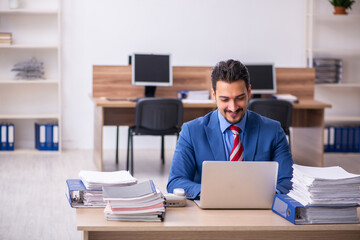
{"points": [[325, 186], [287, 97], [94, 180], [140, 202], [328, 195], [326, 215]]}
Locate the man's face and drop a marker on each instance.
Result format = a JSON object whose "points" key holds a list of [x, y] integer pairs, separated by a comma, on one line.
{"points": [[232, 99]]}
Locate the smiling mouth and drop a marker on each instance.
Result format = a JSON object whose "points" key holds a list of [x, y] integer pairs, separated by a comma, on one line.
{"points": [[233, 113]]}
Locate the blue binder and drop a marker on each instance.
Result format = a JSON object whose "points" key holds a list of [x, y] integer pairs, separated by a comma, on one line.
{"points": [[296, 213], [11, 137], [55, 135], [357, 139], [40, 136], [331, 139], [338, 138], [285, 206], [76, 189], [344, 139], [4, 136], [351, 135], [326, 139], [48, 137]]}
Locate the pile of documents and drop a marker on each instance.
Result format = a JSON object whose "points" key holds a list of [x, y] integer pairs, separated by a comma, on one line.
{"points": [[328, 194], [87, 191], [327, 70], [94, 180], [140, 202], [286, 97], [29, 70]]}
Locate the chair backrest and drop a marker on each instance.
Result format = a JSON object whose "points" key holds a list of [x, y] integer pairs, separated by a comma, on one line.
{"points": [[158, 114], [279, 110]]}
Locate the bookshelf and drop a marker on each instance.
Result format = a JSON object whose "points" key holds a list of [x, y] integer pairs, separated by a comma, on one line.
{"points": [[36, 32], [336, 36]]}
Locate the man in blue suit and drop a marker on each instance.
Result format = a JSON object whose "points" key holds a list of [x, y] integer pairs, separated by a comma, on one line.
{"points": [[210, 138]]}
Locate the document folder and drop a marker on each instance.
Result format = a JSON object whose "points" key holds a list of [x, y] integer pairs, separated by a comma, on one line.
{"points": [[76, 194], [11, 137], [297, 213], [55, 134], [4, 137]]}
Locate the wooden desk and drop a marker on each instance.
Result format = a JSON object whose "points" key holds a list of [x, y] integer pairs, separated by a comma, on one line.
{"points": [[115, 82], [308, 115], [193, 223]]}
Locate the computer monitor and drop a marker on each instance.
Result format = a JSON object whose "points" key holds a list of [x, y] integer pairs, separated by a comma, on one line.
{"points": [[151, 70], [262, 78]]}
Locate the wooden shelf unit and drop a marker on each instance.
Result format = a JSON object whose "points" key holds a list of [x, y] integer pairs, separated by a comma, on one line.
{"points": [[42, 40], [335, 36]]}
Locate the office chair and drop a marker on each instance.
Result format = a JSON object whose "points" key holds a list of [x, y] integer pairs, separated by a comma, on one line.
{"points": [[154, 116], [279, 110]]}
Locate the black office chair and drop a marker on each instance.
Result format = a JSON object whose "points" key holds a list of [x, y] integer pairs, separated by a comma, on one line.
{"points": [[279, 110], [155, 116]]}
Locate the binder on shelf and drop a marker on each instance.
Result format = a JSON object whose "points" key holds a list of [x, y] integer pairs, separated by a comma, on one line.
{"points": [[350, 139], [326, 139], [4, 136], [40, 136], [55, 135], [76, 190], [344, 139], [337, 142], [48, 137], [331, 139], [357, 139], [11, 137]]}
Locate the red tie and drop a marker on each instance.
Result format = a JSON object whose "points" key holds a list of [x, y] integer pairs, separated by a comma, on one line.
{"points": [[237, 153]]}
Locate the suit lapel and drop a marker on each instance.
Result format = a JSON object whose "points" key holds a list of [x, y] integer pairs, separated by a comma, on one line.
{"points": [[214, 137], [251, 136]]}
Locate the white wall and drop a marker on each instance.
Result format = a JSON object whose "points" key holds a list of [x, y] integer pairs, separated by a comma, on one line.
{"points": [[195, 32]]}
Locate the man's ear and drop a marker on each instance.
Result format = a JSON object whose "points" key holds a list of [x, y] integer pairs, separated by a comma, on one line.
{"points": [[249, 91], [213, 94]]}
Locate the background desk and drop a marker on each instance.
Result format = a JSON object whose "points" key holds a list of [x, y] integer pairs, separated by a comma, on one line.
{"points": [[115, 82], [193, 223], [308, 122]]}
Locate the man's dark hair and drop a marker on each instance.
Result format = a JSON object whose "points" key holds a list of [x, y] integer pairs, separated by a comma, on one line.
{"points": [[230, 71]]}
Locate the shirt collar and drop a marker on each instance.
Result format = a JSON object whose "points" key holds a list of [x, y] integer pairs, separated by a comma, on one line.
{"points": [[224, 124]]}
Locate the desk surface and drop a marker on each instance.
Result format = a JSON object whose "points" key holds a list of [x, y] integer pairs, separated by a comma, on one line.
{"points": [[126, 103], [192, 218]]}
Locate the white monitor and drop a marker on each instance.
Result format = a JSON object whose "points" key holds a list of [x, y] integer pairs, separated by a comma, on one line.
{"points": [[262, 78]]}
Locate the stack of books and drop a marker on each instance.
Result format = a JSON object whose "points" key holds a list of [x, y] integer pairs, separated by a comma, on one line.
{"points": [[328, 70], [5, 38], [140, 202], [323, 195], [87, 191]]}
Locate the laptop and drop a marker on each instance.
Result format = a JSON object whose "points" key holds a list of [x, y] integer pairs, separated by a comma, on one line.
{"points": [[238, 185]]}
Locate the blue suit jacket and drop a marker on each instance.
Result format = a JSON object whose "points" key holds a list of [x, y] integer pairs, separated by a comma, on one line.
{"points": [[201, 139]]}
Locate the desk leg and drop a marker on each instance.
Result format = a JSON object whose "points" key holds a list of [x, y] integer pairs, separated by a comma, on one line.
{"points": [[85, 235], [98, 137]]}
